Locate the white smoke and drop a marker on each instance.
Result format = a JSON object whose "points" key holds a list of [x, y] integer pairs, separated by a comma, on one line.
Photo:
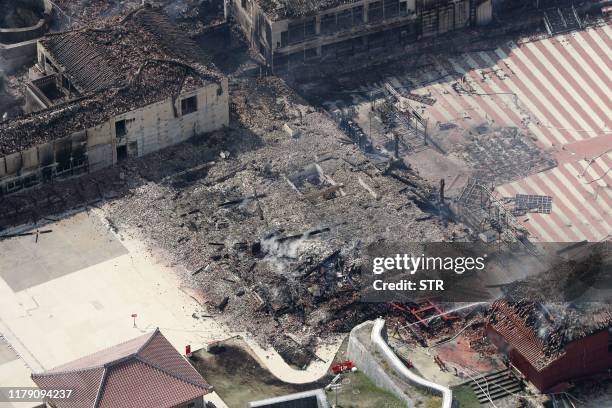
{"points": [[282, 253]]}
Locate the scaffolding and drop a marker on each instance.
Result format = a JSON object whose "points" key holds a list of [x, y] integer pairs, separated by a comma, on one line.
{"points": [[482, 210], [411, 129]]}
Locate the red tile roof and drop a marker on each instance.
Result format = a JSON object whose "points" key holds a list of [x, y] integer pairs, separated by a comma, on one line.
{"points": [[143, 372], [516, 331]]}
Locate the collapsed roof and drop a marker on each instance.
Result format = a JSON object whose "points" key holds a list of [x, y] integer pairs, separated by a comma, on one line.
{"points": [[530, 328], [119, 67], [543, 314], [280, 9]]}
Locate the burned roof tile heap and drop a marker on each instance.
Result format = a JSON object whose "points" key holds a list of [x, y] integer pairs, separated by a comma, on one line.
{"points": [[540, 331], [541, 315], [279, 9], [116, 68]]}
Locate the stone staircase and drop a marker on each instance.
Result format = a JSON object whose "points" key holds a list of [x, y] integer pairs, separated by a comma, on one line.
{"points": [[492, 386]]}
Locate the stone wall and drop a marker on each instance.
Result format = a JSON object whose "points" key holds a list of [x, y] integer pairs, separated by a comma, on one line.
{"points": [[381, 365]]}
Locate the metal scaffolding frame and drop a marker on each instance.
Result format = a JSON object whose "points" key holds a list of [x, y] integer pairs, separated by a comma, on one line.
{"points": [[486, 212]]}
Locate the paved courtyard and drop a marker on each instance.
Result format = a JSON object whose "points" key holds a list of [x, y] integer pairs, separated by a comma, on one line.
{"points": [[72, 292], [562, 88]]}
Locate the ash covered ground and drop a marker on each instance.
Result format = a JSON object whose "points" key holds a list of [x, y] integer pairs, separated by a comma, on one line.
{"points": [[270, 217]]}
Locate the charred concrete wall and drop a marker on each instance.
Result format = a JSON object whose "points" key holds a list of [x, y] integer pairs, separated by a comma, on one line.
{"points": [[354, 28], [14, 56], [132, 134], [166, 123]]}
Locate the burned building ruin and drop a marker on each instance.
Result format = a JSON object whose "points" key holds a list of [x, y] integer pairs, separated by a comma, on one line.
{"points": [[289, 34], [100, 95]]}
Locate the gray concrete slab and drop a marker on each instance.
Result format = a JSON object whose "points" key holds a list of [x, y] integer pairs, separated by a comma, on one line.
{"points": [[71, 246], [6, 353]]}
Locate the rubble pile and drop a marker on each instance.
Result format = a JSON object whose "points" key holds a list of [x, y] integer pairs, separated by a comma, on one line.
{"points": [[11, 96], [478, 341], [191, 15], [75, 14], [270, 223], [279, 9], [551, 309]]}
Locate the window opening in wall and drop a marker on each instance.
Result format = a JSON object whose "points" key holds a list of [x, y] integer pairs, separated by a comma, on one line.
{"points": [[284, 38], [357, 15], [63, 167], [328, 24], [13, 186], [189, 105], [30, 180], [49, 64], [375, 12], [120, 128], [310, 53], [296, 32], [391, 8], [243, 4], [310, 28], [79, 162], [122, 153], [345, 20]]}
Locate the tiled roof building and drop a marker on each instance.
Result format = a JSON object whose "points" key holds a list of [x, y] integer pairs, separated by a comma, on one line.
{"points": [[143, 372], [553, 344]]}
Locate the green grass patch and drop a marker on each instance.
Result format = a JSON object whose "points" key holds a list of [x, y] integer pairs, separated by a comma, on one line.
{"points": [[359, 392], [466, 397]]}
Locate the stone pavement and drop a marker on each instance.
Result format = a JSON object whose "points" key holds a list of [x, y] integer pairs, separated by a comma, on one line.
{"points": [[73, 291]]}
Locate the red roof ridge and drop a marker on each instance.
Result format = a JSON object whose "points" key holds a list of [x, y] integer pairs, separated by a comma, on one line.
{"points": [[151, 337], [206, 387], [54, 371], [171, 364], [100, 388]]}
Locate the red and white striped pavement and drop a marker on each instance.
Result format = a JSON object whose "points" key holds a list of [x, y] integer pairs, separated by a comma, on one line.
{"points": [[560, 89]]}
